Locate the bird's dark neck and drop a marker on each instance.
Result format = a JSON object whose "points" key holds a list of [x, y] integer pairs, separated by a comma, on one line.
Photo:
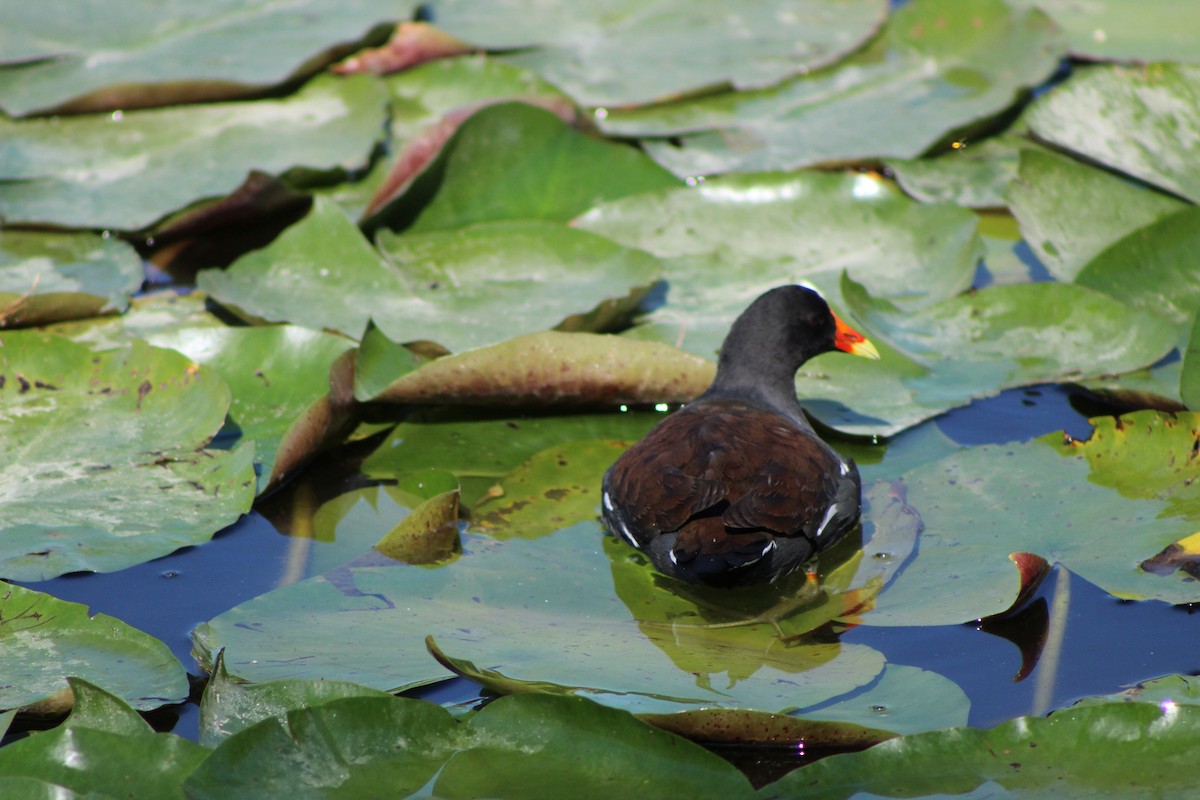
{"points": [[771, 386]]}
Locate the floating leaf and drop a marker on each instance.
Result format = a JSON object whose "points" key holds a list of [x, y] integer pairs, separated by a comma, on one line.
{"points": [[49, 277], [555, 488], [148, 315], [974, 346], [972, 175], [1140, 120], [1071, 212], [1115, 500], [116, 439], [131, 56], [1166, 281], [561, 622], [428, 535], [104, 760], [732, 238], [550, 172], [1107, 751], [44, 640], [480, 449], [1126, 30], [534, 745], [902, 700], [92, 172], [513, 276], [229, 707], [1166, 691], [482, 273], [937, 68], [423, 98], [650, 51], [412, 43], [515, 747], [275, 373], [555, 369]]}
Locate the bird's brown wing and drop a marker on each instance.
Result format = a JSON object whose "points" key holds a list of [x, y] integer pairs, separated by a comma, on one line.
{"points": [[774, 475]]}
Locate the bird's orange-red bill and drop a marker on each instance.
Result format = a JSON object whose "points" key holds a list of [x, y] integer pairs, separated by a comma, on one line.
{"points": [[851, 341]]}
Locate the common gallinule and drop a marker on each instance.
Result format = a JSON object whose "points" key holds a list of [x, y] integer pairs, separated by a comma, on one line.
{"points": [[736, 488]]}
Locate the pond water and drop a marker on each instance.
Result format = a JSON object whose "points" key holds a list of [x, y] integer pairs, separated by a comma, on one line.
{"points": [[1106, 644]]}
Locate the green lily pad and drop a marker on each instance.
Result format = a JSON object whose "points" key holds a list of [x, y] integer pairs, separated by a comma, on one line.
{"points": [[106, 755], [532, 746], [1071, 212], [1140, 120], [481, 449], [1189, 373], [44, 640], [229, 707], [531, 274], [550, 368], [1128, 487], [481, 273], [116, 438], [1126, 30], [732, 238], [555, 623], [48, 277], [1125, 750], [903, 700], [148, 315], [974, 346], [972, 175], [938, 67], [550, 171], [650, 51], [422, 99], [555, 488], [114, 55], [92, 171], [515, 747], [275, 373], [1166, 691], [1166, 282]]}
